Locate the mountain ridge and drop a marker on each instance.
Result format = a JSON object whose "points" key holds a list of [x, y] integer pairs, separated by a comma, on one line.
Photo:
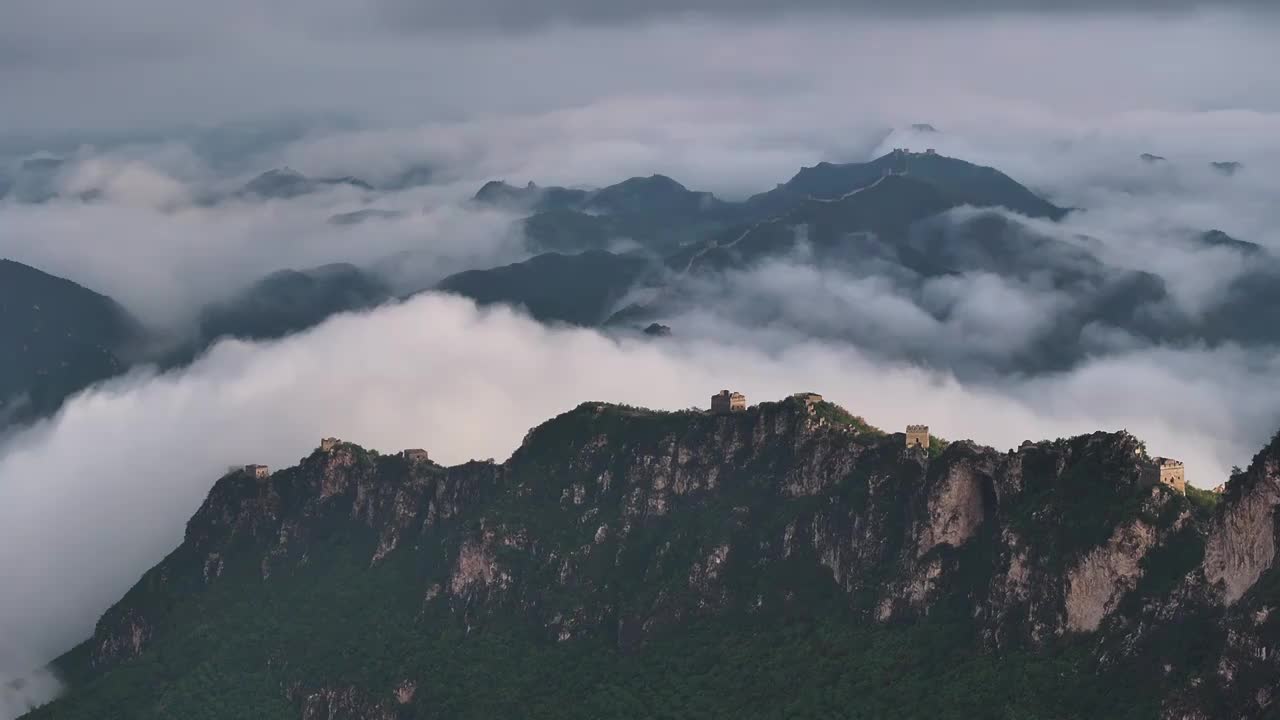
{"points": [[56, 337], [614, 531]]}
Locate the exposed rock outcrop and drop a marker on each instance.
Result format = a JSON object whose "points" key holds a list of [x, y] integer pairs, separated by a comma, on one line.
{"points": [[1242, 543], [1104, 575]]}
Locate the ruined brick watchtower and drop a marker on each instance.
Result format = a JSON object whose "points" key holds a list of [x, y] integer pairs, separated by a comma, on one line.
{"points": [[918, 436], [728, 402], [1168, 472], [328, 444], [258, 471], [415, 455], [810, 400]]}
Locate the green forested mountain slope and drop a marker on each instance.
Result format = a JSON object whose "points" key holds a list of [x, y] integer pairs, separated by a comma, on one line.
{"points": [[780, 562]]}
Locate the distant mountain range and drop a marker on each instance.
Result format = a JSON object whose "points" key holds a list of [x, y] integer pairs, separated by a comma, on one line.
{"points": [[883, 218], [644, 251], [39, 179], [662, 215]]}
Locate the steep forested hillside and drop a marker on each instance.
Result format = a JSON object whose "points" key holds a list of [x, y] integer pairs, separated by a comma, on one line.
{"points": [[786, 561]]}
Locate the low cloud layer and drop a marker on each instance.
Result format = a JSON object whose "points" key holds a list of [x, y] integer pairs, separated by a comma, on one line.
{"points": [[144, 241], [1017, 297], [124, 465]]}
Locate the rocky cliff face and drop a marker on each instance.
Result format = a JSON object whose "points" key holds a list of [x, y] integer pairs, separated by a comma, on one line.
{"points": [[616, 525]]}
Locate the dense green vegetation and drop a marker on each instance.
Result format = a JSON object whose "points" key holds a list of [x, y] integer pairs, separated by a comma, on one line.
{"points": [[837, 415], [514, 592], [1098, 492], [235, 652], [1203, 500]]}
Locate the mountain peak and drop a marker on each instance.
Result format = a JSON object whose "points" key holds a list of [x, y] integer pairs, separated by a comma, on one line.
{"points": [[644, 194], [1217, 238], [499, 192], [655, 182], [286, 183], [964, 181], [1229, 167]]}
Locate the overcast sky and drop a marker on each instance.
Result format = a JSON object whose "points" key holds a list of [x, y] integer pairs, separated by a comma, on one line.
{"points": [[145, 63]]}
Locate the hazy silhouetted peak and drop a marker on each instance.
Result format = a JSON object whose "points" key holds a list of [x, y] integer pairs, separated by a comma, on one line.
{"points": [[501, 192], [656, 183], [14, 273], [415, 176], [577, 288], [924, 128], [1149, 158], [346, 180], [1217, 238], [278, 183], [321, 273], [652, 194], [963, 181], [42, 164], [658, 330], [34, 180], [359, 216], [56, 338], [1229, 167], [284, 183], [289, 300]]}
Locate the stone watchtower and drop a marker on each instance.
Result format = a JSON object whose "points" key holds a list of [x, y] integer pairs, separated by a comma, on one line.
{"points": [[810, 400], [416, 455], [918, 436], [258, 471], [328, 444], [728, 402], [1168, 472]]}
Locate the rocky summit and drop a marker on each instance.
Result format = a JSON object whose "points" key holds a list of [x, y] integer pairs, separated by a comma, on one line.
{"points": [[788, 561]]}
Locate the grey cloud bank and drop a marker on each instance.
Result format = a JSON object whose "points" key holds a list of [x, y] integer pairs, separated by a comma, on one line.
{"points": [[149, 64]]}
